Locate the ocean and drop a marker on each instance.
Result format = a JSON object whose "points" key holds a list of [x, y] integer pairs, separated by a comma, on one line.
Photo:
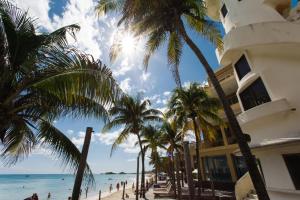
{"points": [[21, 186]]}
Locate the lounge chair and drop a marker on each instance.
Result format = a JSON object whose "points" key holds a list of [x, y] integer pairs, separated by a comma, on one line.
{"points": [[167, 192]]}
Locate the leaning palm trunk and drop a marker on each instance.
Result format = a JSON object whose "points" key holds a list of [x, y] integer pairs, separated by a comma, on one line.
{"points": [[233, 123], [199, 177]]}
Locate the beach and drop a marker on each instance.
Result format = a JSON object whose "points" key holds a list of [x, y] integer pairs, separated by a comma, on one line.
{"points": [[114, 195]]}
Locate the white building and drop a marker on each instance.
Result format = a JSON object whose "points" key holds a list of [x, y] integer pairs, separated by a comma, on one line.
{"points": [[262, 44]]}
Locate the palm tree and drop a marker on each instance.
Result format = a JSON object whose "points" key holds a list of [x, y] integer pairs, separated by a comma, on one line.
{"points": [[192, 103], [151, 140], [172, 138], [167, 20], [133, 114], [42, 79]]}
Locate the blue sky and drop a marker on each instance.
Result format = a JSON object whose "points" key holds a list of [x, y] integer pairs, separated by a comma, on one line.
{"points": [[95, 38]]}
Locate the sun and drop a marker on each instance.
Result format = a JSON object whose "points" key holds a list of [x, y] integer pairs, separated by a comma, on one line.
{"points": [[128, 43]]}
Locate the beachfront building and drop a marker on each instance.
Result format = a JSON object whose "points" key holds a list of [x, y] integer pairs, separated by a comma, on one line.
{"points": [[262, 48], [218, 161]]}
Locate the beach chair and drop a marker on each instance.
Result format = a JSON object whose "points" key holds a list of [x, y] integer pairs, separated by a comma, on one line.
{"points": [[161, 187], [167, 192]]}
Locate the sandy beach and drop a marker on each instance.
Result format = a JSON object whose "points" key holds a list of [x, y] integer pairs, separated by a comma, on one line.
{"points": [[114, 195]]}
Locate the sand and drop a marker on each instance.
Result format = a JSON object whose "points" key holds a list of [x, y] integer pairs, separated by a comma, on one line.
{"points": [[114, 195]]}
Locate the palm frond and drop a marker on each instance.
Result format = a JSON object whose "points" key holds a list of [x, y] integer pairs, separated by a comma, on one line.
{"points": [[174, 55], [63, 148]]}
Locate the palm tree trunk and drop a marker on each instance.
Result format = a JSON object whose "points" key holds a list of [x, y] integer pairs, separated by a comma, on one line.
{"points": [[137, 177], [172, 172], [143, 190], [177, 165], [233, 123], [143, 167], [188, 169], [199, 177], [82, 164], [156, 174]]}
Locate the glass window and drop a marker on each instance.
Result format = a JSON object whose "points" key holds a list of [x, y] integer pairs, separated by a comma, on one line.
{"points": [[224, 10], [240, 165], [232, 99], [242, 67], [256, 94], [216, 168], [292, 162]]}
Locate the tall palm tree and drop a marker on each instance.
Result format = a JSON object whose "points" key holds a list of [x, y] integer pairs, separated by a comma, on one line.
{"points": [[167, 20], [172, 138], [43, 79], [152, 140], [192, 103], [133, 114]]}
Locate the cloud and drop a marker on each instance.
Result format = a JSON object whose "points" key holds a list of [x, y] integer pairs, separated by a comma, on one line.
{"points": [[123, 68], [186, 84], [70, 132], [145, 76], [131, 160], [167, 93], [125, 86], [108, 139], [94, 33], [79, 139]]}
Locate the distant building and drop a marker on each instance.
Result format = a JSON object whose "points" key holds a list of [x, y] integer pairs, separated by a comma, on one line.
{"points": [[260, 74]]}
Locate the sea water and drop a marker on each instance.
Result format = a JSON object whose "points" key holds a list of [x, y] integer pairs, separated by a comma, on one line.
{"points": [[21, 186]]}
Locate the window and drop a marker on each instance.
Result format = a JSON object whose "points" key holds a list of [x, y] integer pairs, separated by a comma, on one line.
{"points": [[224, 10], [216, 168], [256, 94], [242, 67], [232, 99], [292, 162], [240, 165]]}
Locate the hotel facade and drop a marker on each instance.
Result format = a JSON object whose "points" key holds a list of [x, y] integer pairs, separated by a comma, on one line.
{"points": [[260, 74]]}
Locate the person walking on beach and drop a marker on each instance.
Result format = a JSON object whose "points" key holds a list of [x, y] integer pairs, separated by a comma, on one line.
{"points": [[86, 192], [126, 182], [110, 188], [49, 195], [132, 186], [118, 186]]}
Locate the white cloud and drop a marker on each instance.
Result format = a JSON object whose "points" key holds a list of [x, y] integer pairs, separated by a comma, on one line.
{"points": [[125, 86], [165, 101], [79, 139], [94, 33], [108, 138], [36, 9], [186, 84], [70, 132], [131, 160], [167, 93], [123, 68], [145, 76]]}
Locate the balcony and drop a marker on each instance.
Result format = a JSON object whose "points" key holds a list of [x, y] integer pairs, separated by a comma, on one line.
{"points": [[225, 76], [254, 35], [264, 110]]}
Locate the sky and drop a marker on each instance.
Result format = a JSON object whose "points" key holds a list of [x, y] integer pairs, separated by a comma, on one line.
{"points": [[95, 37]]}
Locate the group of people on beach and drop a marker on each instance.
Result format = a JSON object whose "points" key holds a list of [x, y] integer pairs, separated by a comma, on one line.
{"points": [[33, 197], [117, 185]]}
